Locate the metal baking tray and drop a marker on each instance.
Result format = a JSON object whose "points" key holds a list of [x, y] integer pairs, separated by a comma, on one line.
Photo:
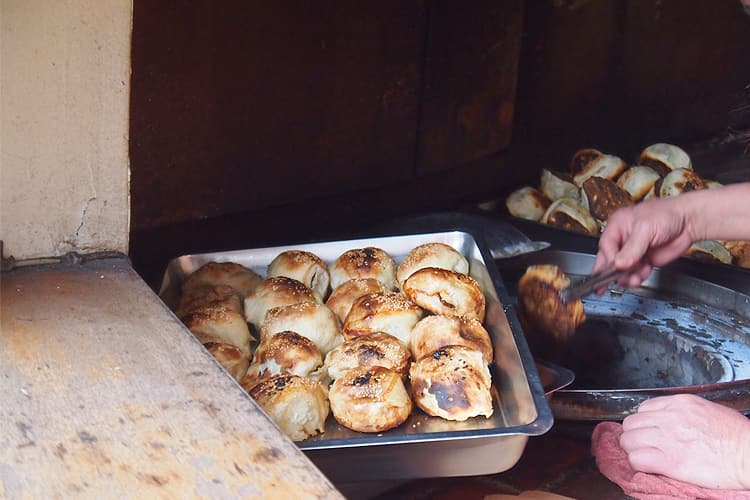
{"points": [[685, 330], [423, 446]]}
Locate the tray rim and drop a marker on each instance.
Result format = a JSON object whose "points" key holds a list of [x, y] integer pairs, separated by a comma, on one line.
{"points": [[544, 415]]}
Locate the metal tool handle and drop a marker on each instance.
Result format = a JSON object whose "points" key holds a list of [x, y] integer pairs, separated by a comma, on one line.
{"points": [[590, 284], [502, 238]]}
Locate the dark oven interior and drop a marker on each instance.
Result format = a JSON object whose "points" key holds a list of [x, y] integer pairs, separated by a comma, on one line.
{"points": [[255, 124]]}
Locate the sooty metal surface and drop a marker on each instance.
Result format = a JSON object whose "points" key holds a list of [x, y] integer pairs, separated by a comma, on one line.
{"points": [[676, 333]]}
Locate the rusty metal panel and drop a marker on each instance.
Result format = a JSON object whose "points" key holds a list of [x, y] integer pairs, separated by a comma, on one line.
{"points": [[104, 393], [685, 68], [620, 75], [244, 105], [470, 74]]}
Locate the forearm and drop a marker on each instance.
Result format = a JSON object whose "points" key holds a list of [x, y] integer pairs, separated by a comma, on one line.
{"points": [[743, 456], [717, 214]]}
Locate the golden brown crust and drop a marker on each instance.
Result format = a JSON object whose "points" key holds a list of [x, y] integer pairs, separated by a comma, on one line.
{"points": [[309, 319], [441, 291], [197, 297], [276, 292], [305, 267], [539, 300], [370, 399], [565, 221], [709, 251], [608, 166], [284, 352], [680, 181], [569, 214], [237, 276], [433, 254], [556, 185], [231, 358], [638, 180], [664, 157], [389, 312], [527, 203], [342, 298], [434, 332], [219, 321], [298, 405], [604, 197], [658, 166], [582, 158], [453, 383], [740, 252], [375, 349], [370, 262]]}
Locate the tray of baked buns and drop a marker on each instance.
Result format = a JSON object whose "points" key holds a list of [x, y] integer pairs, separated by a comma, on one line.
{"points": [[581, 197], [385, 357]]}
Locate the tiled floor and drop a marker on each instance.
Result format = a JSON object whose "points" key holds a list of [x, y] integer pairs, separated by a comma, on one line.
{"points": [[558, 462]]}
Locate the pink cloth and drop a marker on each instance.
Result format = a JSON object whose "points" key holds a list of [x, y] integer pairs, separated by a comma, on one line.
{"points": [[613, 463]]}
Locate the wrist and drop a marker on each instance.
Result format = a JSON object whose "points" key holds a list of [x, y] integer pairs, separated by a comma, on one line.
{"points": [[715, 214], [688, 207], [743, 474]]}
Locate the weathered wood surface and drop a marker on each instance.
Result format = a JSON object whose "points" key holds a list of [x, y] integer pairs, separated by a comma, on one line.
{"points": [[105, 394]]}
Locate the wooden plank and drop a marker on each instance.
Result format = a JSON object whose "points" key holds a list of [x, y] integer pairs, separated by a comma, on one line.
{"points": [[104, 393]]}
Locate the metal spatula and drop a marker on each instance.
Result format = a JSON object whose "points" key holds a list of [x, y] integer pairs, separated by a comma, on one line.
{"points": [[590, 284], [503, 240]]}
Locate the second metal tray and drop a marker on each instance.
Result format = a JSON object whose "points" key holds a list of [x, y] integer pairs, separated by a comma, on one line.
{"points": [[680, 332]]}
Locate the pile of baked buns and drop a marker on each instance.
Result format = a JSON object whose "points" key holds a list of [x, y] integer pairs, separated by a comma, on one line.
{"points": [[363, 338], [596, 184]]}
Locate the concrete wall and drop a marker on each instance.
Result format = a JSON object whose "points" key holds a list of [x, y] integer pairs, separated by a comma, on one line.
{"points": [[64, 110]]}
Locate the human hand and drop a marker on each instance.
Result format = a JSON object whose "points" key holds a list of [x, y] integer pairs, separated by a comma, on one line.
{"points": [[637, 238], [690, 439]]}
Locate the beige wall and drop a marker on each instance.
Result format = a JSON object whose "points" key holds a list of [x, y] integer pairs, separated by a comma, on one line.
{"points": [[64, 103]]}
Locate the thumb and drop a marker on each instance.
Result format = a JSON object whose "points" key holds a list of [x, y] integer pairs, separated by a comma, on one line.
{"points": [[600, 263]]}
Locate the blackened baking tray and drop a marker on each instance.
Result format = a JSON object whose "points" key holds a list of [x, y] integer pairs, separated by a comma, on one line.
{"points": [[685, 330], [423, 446]]}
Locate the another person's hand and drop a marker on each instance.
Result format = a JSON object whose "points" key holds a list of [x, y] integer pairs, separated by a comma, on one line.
{"points": [[656, 232], [637, 238], [690, 439]]}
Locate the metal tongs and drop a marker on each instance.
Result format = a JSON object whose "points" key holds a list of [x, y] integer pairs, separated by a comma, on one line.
{"points": [[590, 284]]}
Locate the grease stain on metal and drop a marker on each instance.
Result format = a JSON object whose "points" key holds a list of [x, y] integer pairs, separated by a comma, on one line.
{"points": [[86, 438]]}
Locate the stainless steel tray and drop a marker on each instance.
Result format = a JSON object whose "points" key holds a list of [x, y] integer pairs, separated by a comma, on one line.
{"points": [[423, 446], [693, 328]]}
